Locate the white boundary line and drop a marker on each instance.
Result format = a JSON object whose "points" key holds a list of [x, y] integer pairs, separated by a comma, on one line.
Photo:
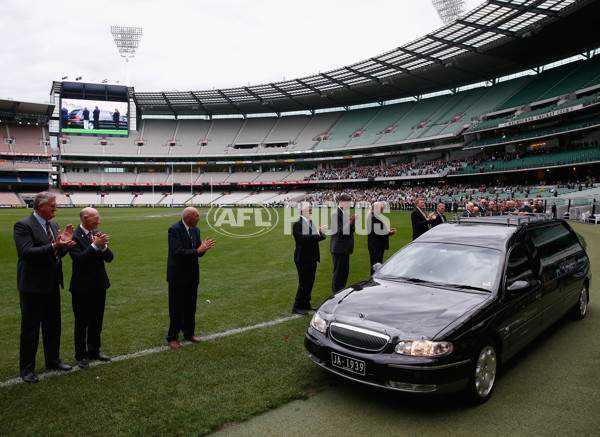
{"points": [[142, 353]]}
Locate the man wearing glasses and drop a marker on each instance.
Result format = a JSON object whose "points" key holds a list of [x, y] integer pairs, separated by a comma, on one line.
{"points": [[40, 248]]}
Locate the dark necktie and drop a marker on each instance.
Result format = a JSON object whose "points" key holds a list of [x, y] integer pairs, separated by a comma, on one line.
{"points": [[191, 234], [90, 237], [51, 239]]}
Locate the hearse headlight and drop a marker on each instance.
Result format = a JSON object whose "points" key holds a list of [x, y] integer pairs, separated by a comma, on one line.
{"points": [[319, 323], [424, 348]]}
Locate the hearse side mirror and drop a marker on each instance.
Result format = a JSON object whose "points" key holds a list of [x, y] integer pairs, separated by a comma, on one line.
{"points": [[519, 286], [377, 267]]}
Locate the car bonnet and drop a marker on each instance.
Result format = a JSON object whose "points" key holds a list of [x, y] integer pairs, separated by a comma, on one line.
{"points": [[409, 311]]}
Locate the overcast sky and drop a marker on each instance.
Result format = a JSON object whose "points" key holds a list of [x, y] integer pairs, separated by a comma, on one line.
{"points": [[198, 44]]}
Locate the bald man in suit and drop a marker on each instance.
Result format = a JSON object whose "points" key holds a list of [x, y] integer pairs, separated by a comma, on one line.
{"points": [[185, 247], [89, 283], [306, 256]]}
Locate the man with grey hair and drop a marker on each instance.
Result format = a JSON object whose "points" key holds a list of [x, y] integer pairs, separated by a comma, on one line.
{"points": [[440, 217], [40, 248], [469, 210], [306, 257], [185, 247]]}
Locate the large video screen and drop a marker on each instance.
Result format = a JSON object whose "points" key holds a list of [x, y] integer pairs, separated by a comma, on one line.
{"points": [[99, 117]]}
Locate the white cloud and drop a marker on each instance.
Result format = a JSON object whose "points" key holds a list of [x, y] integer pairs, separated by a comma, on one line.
{"points": [[201, 44]]}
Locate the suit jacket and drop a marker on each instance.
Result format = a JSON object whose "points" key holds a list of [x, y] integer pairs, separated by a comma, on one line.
{"points": [[438, 220], [378, 235], [420, 224], [182, 261], [89, 273], [307, 242], [342, 233], [37, 269]]}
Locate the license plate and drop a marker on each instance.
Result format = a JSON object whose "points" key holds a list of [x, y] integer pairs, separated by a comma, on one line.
{"points": [[347, 363]]}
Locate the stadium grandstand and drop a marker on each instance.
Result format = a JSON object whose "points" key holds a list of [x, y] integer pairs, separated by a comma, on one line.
{"points": [[505, 96]]}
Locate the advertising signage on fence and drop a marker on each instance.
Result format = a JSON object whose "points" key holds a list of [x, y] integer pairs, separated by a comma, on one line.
{"points": [[44, 155], [540, 116]]}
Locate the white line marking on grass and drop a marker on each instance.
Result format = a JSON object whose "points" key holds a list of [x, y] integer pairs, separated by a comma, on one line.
{"points": [[44, 375]]}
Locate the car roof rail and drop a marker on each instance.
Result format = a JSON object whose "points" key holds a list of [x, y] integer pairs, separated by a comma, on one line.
{"points": [[508, 220]]}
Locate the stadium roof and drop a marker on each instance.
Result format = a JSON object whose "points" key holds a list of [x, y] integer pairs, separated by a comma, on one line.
{"points": [[23, 111], [498, 38]]}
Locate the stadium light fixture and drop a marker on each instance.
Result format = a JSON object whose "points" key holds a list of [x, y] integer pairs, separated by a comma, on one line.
{"points": [[449, 10], [127, 40]]}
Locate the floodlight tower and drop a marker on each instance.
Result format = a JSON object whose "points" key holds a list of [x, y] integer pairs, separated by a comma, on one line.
{"points": [[449, 10], [127, 40]]}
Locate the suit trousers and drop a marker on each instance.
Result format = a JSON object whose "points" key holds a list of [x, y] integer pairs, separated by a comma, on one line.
{"points": [[88, 308], [39, 309], [341, 269], [306, 279], [375, 256], [182, 310]]}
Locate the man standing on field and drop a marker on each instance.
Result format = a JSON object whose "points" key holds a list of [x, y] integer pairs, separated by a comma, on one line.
{"points": [[185, 247], [40, 247]]}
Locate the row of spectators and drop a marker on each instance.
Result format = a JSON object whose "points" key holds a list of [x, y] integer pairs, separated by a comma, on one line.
{"points": [[424, 168], [456, 197], [385, 170]]}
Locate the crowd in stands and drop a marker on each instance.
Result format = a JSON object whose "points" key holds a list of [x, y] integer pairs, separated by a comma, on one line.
{"points": [[432, 167], [385, 170], [456, 197]]}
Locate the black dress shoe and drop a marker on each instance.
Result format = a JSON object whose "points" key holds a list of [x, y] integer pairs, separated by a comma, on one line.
{"points": [[299, 311], [311, 308], [83, 363], [100, 357], [30, 378], [61, 367]]}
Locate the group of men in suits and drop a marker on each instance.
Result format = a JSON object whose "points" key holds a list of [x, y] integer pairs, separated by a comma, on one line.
{"points": [[341, 246], [40, 248]]}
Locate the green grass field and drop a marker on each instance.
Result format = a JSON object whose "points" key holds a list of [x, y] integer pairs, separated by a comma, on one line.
{"points": [[199, 388]]}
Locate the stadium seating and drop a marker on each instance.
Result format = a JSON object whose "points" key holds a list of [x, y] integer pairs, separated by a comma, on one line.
{"points": [[189, 136], [10, 198], [351, 125], [221, 135], [254, 131], [156, 136], [287, 129], [27, 138], [540, 85], [319, 124], [583, 73]]}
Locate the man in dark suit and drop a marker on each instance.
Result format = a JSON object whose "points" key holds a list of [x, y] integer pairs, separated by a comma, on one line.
{"points": [[306, 257], [341, 244], [469, 210], [96, 116], [40, 247], [89, 283], [378, 235], [185, 247], [439, 217], [116, 117], [420, 221]]}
